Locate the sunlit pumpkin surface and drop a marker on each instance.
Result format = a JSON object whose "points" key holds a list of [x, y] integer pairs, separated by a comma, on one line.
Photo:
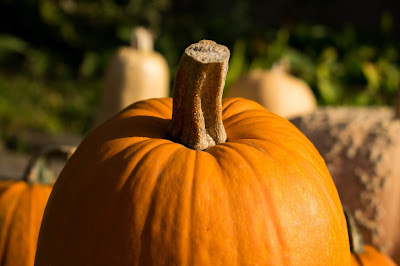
{"points": [[130, 196], [21, 209]]}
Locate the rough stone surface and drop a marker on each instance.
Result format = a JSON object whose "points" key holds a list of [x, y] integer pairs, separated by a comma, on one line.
{"points": [[361, 147]]}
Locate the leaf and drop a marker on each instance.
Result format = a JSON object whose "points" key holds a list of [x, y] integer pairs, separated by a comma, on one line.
{"points": [[372, 76], [12, 44]]}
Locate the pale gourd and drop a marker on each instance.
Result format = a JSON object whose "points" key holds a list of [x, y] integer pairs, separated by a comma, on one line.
{"points": [[135, 73], [277, 90]]}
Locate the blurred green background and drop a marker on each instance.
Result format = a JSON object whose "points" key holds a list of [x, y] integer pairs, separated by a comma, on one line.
{"points": [[53, 53]]}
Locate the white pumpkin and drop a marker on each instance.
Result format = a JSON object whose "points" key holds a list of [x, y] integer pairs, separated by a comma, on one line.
{"points": [[134, 73], [275, 89]]}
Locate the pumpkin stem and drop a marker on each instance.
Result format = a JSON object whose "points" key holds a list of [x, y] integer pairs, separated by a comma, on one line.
{"points": [[397, 106], [141, 39], [197, 97], [38, 170], [355, 236], [282, 66]]}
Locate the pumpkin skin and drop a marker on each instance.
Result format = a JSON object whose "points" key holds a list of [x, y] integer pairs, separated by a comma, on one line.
{"points": [[130, 196], [277, 90], [134, 73], [21, 209], [371, 257]]}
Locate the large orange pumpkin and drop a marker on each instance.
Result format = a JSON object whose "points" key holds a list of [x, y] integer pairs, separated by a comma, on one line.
{"points": [[22, 203], [238, 185]]}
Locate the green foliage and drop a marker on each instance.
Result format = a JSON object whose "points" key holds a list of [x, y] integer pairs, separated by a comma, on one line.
{"points": [[51, 64], [10, 44], [342, 66], [237, 63], [46, 106]]}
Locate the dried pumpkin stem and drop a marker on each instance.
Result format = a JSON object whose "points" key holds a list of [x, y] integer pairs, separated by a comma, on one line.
{"points": [[197, 103], [142, 40], [38, 170], [355, 236], [397, 106]]}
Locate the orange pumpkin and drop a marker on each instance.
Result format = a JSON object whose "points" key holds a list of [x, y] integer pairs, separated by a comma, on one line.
{"points": [[236, 185], [22, 204], [371, 257], [363, 255]]}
